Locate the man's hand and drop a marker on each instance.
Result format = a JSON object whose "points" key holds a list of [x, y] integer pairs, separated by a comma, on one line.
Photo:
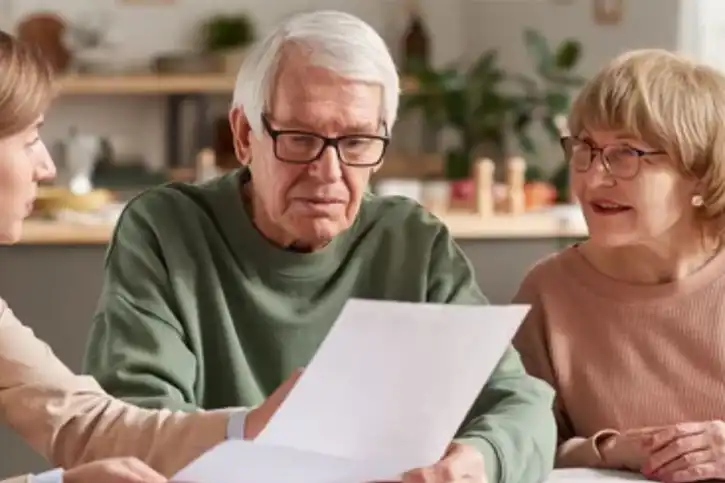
{"points": [[258, 417], [113, 470], [461, 463], [687, 452]]}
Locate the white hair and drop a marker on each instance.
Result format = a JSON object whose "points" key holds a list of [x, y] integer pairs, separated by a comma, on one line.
{"points": [[337, 41]]}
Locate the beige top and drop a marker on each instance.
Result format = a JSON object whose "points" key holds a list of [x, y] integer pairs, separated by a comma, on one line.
{"points": [[620, 355], [17, 479], [70, 420]]}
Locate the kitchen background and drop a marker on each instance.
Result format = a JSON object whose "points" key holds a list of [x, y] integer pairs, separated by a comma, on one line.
{"points": [[145, 102]]}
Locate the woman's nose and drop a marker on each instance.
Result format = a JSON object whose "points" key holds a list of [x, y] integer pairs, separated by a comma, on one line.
{"points": [[45, 169]]}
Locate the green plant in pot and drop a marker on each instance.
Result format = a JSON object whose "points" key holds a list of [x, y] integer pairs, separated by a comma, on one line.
{"points": [[228, 36], [547, 95], [469, 102], [488, 106]]}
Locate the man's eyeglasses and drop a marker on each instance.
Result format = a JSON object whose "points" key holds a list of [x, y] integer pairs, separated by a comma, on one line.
{"points": [[620, 161], [303, 147]]}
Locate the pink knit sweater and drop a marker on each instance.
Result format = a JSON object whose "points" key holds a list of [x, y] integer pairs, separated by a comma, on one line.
{"points": [[620, 355]]}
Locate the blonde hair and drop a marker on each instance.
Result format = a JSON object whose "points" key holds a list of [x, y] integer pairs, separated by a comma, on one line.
{"points": [[26, 85], [670, 102]]}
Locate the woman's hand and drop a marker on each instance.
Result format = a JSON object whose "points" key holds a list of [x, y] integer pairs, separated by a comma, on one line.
{"points": [[686, 452], [258, 417], [626, 450]]}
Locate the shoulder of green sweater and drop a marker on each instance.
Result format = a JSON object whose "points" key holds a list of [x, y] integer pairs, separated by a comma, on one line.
{"points": [[161, 209], [401, 216], [450, 274], [170, 198]]}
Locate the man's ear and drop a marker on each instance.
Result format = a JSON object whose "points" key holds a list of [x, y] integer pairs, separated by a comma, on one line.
{"points": [[241, 134]]}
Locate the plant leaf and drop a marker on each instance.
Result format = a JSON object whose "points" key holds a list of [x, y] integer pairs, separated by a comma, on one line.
{"points": [[534, 173], [568, 54], [550, 128], [538, 50], [529, 85], [566, 80], [485, 64], [527, 144], [522, 121], [556, 102]]}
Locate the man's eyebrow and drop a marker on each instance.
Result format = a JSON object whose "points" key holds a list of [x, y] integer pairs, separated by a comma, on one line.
{"points": [[299, 124]]}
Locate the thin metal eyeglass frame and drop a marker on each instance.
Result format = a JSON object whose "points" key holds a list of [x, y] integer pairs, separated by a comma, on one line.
{"points": [[602, 156], [326, 141]]}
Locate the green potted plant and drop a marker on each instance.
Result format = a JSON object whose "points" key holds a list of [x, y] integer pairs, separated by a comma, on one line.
{"points": [[547, 95], [486, 106], [469, 102], [228, 36]]}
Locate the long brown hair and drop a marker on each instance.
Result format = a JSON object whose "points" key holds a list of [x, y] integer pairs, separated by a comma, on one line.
{"points": [[26, 84]]}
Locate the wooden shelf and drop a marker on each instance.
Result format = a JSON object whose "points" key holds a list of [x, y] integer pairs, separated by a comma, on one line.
{"points": [[147, 84], [155, 84]]}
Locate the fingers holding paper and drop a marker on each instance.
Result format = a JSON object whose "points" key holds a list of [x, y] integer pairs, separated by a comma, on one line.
{"points": [[461, 463], [258, 417], [687, 452]]}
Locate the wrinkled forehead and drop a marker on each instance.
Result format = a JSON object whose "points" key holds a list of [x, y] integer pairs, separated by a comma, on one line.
{"points": [[310, 96]]}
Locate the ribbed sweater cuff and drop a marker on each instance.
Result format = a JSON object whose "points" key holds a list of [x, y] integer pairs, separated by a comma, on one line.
{"points": [[583, 452]]}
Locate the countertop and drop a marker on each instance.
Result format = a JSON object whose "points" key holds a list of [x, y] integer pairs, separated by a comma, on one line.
{"points": [[49, 232], [557, 223]]}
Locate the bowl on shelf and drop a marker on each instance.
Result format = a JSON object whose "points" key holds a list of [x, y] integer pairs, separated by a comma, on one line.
{"points": [[51, 200]]}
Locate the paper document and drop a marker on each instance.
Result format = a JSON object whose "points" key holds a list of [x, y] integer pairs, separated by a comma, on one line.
{"points": [[389, 386], [585, 475], [240, 461]]}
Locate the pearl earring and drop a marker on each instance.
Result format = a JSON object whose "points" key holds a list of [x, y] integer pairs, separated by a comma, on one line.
{"points": [[697, 200]]}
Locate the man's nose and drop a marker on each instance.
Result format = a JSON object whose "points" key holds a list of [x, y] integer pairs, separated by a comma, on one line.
{"points": [[328, 167]]}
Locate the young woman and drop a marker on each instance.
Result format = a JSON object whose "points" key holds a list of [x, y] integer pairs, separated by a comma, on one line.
{"points": [[65, 417], [629, 326]]}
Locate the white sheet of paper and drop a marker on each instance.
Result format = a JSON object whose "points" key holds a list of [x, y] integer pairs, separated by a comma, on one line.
{"points": [[392, 381], [586, 475], [238, 461]]}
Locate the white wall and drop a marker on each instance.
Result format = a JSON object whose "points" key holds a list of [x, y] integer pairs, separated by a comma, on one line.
{"points": [[702, 30]]}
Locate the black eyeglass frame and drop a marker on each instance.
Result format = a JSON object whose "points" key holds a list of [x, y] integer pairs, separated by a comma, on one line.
{"points": [[326, 141], [602, 157]]}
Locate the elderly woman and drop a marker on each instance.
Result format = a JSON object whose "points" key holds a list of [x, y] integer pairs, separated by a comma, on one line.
{"points": [[629, 325], [69, 418]]}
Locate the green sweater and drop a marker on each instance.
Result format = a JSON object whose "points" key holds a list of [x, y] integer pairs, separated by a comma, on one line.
{"points": [[198, 310]]}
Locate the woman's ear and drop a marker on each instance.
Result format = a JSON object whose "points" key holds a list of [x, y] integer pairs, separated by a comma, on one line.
{"points": [[241, 132]]}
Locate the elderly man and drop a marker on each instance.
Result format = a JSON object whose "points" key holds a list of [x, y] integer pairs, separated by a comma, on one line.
{"points": [[215, 293]]}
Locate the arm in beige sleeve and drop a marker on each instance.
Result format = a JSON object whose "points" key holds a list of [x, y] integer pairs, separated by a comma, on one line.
{"points": [[17, 479], [532, 343], [70, 420]]}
